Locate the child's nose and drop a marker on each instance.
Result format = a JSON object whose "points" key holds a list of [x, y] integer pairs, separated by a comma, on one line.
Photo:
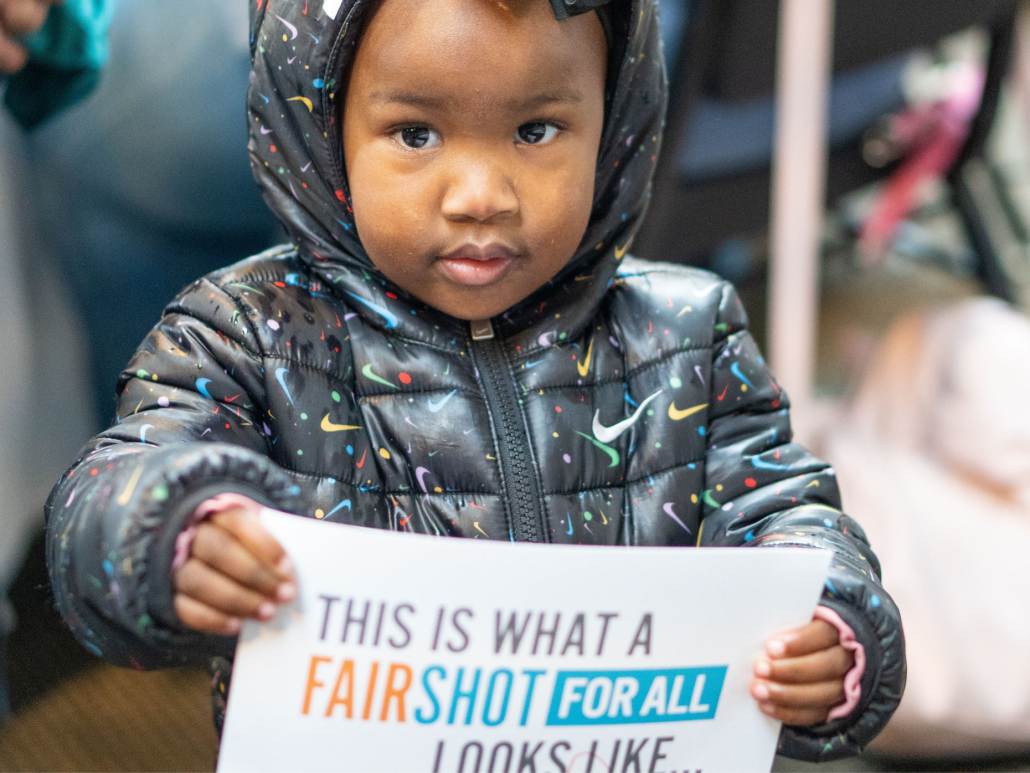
{"points": [[479, 190]]}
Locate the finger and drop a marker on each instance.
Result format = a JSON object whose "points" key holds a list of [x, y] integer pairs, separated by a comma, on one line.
{"points": [[201, 617], [12, 56], [199, 581], [23, 17], [799, 696], [816, 635], [817, 667], [803, 717], [222, 551], [245, 526]]}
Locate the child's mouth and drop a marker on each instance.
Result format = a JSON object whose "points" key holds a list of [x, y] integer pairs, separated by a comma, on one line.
{"points": [[476, 265]]}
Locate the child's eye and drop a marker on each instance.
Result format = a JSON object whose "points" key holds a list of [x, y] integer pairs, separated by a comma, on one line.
{"points": [[535, 133], [417, 137]]}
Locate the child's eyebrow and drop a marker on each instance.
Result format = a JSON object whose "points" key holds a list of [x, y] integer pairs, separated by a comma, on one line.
{"points": [[429, 102]]}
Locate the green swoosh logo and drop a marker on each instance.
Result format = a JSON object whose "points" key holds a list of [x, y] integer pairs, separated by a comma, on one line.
{"points": [[612, 453], [367, 373]]}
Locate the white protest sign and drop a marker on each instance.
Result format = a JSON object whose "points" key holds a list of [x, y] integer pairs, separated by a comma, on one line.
{"points": [[415, 653]]}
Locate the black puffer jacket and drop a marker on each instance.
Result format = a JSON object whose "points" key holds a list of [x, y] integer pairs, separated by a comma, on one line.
{"points": [[622, 404]]}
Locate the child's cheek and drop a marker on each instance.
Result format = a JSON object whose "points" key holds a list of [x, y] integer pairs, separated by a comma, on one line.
{"points": [[561, 211]]}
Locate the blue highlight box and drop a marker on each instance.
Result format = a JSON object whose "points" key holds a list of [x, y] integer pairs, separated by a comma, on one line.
{"points": [[636, 697]]}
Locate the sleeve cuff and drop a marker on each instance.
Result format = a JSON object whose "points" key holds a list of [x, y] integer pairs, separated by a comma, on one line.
{"points": [[853, 679], [207, 508], [174, 544]]}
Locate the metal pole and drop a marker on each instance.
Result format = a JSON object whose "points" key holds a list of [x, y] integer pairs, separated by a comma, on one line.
{"points": [[804, 59]]}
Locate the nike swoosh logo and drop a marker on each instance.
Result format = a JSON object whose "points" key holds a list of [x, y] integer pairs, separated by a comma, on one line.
{"points": [[126, 495], [291, 61], [305, 101], [612, 453], [367, 373], [265, 131], [390, 317], [620, 252], [584, 367], [676, 415], [280, 376], [608, 434], [703, 293], [735, 370], [290, 27], [328, 426], [533, 364], [434, 407]]}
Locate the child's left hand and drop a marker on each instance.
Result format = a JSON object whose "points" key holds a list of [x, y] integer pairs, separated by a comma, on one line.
{"points": [[801, 675]]}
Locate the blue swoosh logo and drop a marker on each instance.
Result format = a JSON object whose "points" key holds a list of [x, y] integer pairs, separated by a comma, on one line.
{"points": [[735, 370], [763, 465], [344, 503], [434, 407], [202, 387], [533, 364], [390, 317], [280, 375]]}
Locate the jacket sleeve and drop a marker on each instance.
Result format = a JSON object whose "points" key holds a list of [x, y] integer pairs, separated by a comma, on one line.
{"points": [[189, 425], [762, 490]]}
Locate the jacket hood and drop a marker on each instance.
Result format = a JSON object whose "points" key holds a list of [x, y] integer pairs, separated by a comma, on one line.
{"points": [[301, 51]]}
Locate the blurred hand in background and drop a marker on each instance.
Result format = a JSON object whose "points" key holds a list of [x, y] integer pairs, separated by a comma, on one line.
{"points": [[19, 18]]}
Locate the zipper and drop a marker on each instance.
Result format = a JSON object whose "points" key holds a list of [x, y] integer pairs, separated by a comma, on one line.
{"points": [[518, 478]]}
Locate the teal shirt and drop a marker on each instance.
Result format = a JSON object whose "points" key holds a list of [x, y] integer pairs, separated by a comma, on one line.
{"points": [[65, 60]]}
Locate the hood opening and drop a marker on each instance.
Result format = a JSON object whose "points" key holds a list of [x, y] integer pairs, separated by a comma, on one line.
{"points": [[301, 55]]}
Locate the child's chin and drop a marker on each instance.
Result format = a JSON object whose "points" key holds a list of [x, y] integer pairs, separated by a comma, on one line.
{"points": [[472, 303]]}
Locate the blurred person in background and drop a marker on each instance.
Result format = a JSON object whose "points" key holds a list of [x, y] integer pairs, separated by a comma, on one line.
{"points": [[20, 42], [119, 203], [933, 454], [19, 18], [148, 185]]}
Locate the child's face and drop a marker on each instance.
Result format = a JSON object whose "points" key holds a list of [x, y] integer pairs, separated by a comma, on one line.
{"points": [[470, 132]]}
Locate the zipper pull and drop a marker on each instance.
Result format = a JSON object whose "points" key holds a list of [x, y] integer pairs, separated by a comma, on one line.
{"points": [[482, 329]]}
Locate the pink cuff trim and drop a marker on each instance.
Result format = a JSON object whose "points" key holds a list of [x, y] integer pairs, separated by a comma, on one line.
{"points": [[852, 679], [207, 508]]}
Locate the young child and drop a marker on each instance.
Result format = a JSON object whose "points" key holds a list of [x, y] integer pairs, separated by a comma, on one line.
{"points": [[456, 343]]}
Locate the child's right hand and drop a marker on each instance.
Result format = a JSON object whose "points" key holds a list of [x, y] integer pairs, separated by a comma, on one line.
{"points": [[236, 569]]}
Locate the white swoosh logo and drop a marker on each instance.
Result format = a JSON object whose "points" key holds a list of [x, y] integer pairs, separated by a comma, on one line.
{"points": [[608, 434]]}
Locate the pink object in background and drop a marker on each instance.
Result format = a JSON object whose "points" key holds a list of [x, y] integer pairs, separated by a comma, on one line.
{"points": [[937, 133]]}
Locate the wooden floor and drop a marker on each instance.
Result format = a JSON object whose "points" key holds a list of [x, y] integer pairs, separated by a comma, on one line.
{"points": [[112, 719]]}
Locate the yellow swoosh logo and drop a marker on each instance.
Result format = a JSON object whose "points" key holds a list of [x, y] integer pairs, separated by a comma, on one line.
{"points": [[620, 252], [126, 495], [584, 367], [305, 100], [328, 426], [676, 415]]}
